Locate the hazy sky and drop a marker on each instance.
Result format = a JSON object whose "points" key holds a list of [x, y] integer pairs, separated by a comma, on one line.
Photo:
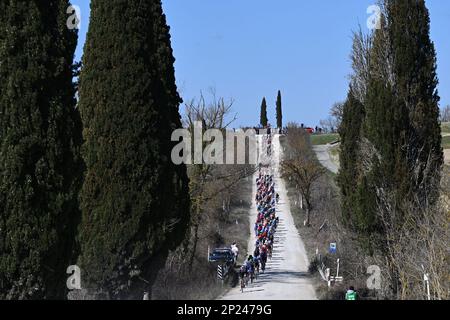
{"points": [[253, 48]]}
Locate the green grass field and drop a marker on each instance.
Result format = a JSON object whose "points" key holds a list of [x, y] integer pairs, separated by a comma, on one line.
{"points": [[446, 142], [446, 127], [319, 139]]}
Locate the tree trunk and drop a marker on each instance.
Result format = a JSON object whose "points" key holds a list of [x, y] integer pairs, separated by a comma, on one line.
{"points": [[307, 223], [195, 240]]}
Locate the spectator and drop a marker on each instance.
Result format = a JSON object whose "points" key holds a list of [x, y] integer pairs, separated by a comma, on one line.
{"points": [[351, 294]]}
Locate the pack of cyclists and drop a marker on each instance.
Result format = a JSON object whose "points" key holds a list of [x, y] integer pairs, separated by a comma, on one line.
{"points": [[268, 142], [265, 227]]}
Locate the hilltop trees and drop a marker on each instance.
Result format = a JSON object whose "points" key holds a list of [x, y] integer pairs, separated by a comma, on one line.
{"points": [[279, 113], [134, 199], [40, 137], [263, 117]]}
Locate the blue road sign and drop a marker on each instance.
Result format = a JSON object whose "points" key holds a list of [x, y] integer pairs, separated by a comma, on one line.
{"points": [[333, 247]]}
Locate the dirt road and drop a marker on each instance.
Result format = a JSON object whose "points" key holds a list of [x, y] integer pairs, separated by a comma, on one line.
{"points": [[447, 156], [323, 155], [286, 276]]}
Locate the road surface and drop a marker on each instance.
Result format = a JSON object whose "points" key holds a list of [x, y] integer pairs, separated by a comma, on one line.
{"points": [[286, 276], [323, 155]]}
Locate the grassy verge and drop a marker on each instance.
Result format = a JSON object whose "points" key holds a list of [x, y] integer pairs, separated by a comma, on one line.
{"points": [[446, 142], [320, 139], [446, 127]]}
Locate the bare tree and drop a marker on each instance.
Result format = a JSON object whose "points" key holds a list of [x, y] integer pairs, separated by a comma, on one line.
{"points": [[215, 114], [415, 237], [336, 113], [329, 124], [445, 114], [301, 166], [361, 57], [305, 173], [416, 246], [207, 182]]}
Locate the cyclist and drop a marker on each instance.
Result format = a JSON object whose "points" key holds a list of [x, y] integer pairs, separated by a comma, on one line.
{"points": [[256, 252], [250, 268], [256, 228], [271, 238], [242, 274], [269, 249], [256, 261], [263, 258]]}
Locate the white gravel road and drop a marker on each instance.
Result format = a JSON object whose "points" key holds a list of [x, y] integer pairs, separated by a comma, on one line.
{"points": [[286, 276], [323, 156]]}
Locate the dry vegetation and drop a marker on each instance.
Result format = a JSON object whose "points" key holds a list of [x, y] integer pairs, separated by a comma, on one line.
{"points": [[300, 166], [220, 201], [325, 227], [224, 219], [421, 244]]}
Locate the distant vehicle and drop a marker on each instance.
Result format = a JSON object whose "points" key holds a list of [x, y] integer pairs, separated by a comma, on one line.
{"points": [[310, 130], [222, 255]]}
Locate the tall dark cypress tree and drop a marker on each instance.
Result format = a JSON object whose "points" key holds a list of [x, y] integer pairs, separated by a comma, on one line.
{"points": [[134, 199], [350, 171], [40, 137], [263, 117], [414, 67], [279, 112], [402, 112], [401, 122]]}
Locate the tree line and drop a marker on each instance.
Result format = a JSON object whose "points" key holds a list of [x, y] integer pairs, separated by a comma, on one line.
{"points": [[87, 182]]}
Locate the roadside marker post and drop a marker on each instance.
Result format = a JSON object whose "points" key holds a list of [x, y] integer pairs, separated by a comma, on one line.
{"points": [[220, 273], [426, 278]]}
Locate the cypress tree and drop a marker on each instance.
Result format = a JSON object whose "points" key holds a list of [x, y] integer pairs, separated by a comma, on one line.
{"points": [[135, 201], [40, 138], [279, 111], [402, 108], [263, 117], [349, 172], [401, 120], [414, 68]]}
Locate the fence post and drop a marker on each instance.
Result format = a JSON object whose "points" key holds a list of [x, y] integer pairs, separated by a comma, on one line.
{"points": [[337, 271], [220, 272], [426, 278], [328, 276]]}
